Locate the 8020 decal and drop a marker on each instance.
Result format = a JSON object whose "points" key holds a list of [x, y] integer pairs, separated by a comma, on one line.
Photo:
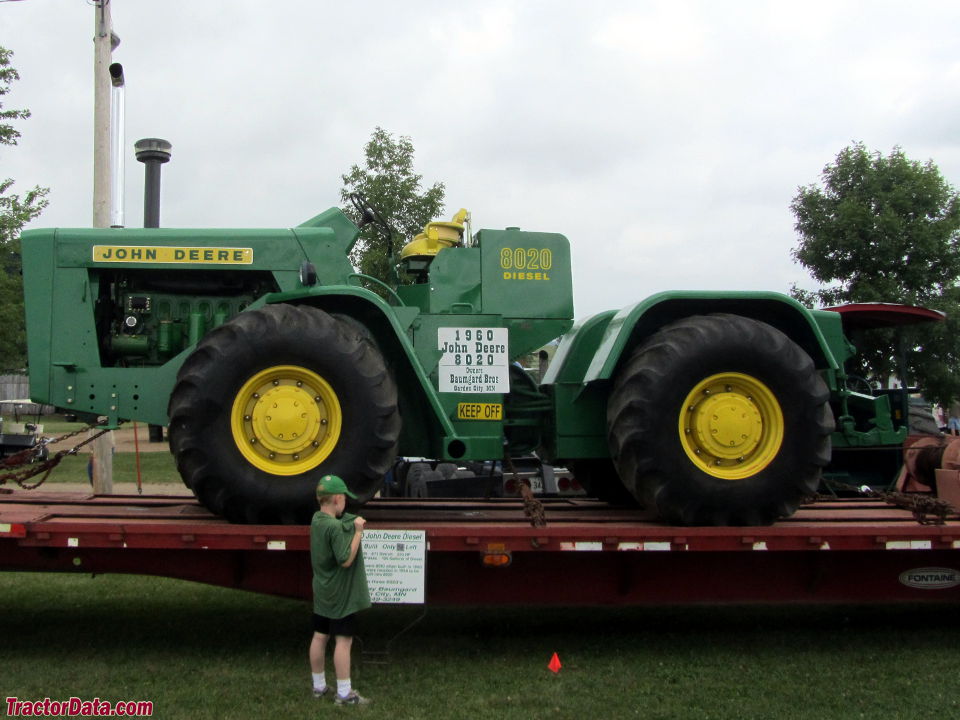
{"points": [[526, 263]]}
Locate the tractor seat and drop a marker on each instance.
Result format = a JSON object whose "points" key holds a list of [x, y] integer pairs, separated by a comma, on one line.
{"points": [[436, 236]]}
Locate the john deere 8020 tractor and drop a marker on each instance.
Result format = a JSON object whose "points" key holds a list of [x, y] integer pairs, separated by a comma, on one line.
{"points": [[274, 362]]}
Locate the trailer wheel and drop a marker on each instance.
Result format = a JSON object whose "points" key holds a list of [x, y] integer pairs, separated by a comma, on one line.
{"points": [[720, 420], [414, 482], [273, 400]]}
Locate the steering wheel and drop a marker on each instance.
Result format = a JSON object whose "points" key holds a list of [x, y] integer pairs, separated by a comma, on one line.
{"points": [[368, 213], [857, 380]]}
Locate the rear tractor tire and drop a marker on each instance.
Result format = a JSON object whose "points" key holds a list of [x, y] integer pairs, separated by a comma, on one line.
{"points": [[599, 478], [719, 420], [273, 400]]}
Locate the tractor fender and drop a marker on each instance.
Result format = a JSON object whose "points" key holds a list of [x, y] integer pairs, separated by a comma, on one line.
{"points": [[593, 349], [388, 325]]}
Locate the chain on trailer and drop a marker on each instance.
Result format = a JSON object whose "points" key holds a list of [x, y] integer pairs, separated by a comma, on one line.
{"points": [[532, 507], [27, 459], [926, 510]]}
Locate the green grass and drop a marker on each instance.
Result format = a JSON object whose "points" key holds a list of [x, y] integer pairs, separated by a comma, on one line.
{"points": [[155, 467], [203, 652], [55, 425]]}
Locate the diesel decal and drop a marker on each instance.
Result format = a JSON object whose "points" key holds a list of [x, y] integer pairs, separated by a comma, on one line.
{"points": [[525, 276], [157, 254]]}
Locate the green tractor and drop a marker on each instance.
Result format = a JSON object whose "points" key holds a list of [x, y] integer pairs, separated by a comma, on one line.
{"points": [[274, 362]]}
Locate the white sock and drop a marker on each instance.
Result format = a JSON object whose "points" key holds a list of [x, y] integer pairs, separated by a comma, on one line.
{"points": [[343, 687], [319, 682]]}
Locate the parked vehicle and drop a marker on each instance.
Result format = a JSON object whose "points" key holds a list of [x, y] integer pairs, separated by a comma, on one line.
{"points": [[274, 362]]}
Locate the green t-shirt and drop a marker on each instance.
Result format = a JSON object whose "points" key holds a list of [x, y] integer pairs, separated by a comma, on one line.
{"points": [[337, 591]]}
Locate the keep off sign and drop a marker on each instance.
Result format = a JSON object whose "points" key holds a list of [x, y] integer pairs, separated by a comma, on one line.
{"points": [[474, 360]]}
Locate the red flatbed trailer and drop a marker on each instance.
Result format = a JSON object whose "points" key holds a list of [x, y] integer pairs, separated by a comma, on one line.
{"points": [[840, 551]]}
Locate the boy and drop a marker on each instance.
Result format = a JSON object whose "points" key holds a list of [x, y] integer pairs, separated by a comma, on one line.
{"points": [[339, 586]]}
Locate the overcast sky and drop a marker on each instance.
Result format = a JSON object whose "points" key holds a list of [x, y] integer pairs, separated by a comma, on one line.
{"points": [[665, 139]]}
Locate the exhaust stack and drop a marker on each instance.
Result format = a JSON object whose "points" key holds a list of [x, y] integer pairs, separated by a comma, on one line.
{"points": [[152, 152]]}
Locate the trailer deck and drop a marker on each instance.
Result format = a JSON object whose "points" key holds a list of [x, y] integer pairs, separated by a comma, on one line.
{"points": [[588, 552]]}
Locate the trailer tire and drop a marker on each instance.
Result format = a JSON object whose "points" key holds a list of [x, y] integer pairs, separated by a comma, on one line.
{"points": [[720, 420], [413, 480], [420, 484], [273, 400]]}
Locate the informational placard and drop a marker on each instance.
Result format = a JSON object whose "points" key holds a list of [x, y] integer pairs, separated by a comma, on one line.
{"points": [[474, 360], [396, 565]]}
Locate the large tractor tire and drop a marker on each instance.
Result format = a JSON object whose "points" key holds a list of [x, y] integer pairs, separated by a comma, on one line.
{"points": [[599, 478], [719, 420], [273, 400]]}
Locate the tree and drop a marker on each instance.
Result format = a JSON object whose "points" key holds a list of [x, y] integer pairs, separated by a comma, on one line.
{"points": [[887, 229], [15, 212], [389, 184]]}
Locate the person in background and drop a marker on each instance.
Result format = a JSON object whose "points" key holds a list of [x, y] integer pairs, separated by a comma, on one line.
{"points": [[953, 424]]}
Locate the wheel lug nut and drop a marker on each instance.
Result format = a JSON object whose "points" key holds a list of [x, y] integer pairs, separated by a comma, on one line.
{"points": [[323, 421], [296, 457], [299, 383], [246, 418], [276, 382], [273, 455], [253, 441], [256, 395], [315, 443]]}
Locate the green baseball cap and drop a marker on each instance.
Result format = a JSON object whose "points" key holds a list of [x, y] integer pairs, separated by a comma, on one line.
{"points": [[333, 485]]}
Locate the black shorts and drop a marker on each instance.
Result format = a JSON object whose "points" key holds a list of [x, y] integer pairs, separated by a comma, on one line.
{"points": [[345, 626]]}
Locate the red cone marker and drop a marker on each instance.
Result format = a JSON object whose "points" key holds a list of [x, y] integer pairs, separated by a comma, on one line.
{"points": [[555, 664]]}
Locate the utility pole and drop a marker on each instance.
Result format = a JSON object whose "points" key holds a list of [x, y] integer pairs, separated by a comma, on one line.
{"points": [[104, 42]]}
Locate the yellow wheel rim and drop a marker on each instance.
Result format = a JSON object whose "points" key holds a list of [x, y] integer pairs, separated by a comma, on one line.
{"points": [[731, 426], [286, 420]]}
